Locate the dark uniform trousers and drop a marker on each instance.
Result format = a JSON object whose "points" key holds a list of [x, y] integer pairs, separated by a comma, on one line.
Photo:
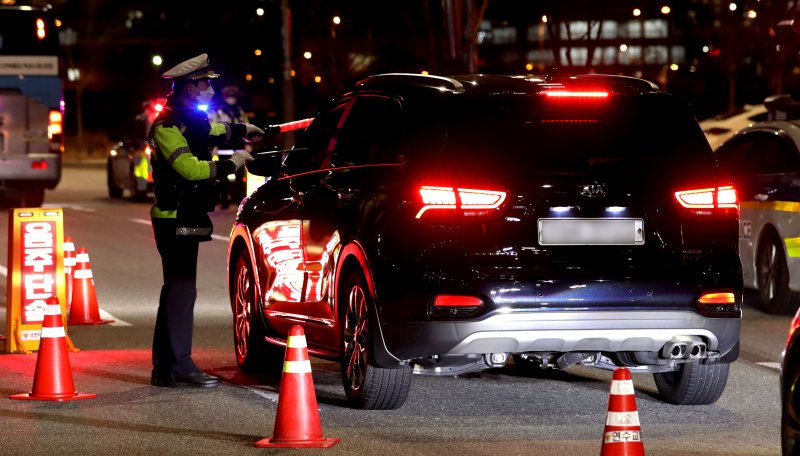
{"points": [[172, 341]]}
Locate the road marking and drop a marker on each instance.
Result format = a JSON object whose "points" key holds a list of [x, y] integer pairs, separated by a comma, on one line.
{"points": [[271, 395], [3, 271], [75, 207], [117, 322], [771, 365]]}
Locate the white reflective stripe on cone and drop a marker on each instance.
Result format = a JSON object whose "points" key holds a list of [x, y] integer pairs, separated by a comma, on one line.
{"points": [[70, 262], [82, 258], [297, 367], [296, 342], [621, 387], [53, 333], [622, 419], [82, 274]]}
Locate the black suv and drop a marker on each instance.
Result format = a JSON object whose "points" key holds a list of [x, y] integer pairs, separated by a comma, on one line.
{"points": [[442, 225]]}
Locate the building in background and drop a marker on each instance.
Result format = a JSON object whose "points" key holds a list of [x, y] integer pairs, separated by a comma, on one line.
{"points": [[717, 54]]}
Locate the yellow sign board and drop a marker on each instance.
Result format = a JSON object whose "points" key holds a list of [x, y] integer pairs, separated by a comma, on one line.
{"points": [[35, 273]]}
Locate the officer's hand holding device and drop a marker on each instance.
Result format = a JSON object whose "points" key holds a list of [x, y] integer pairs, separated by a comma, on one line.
{"points": [[239, 158], [253, 133]]}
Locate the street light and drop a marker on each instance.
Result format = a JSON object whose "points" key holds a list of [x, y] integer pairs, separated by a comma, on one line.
{"points": [[157, 60]]}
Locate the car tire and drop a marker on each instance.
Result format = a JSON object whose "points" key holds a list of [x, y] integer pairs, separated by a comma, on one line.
{"points": [[366, 385], [113, 190], [253, 353], [772, 276], [693, 383]]}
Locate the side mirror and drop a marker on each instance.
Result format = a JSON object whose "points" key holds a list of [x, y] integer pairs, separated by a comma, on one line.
{"points": [[267, 162]]}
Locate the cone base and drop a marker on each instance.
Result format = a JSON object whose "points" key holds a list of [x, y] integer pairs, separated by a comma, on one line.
{"points": [[89, 322], [275, 443], [65, 398]]}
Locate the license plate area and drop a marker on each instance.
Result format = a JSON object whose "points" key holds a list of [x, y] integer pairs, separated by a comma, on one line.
{"points": [[591, 231]]}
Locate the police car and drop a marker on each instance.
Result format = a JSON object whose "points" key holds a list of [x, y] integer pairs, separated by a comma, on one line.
{"points": [[128, 169], [764, 162]]}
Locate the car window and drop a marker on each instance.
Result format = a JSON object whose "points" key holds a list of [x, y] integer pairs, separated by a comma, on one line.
{"points": [[542, 135], [759, 153], [372, 133], [317, 142]]}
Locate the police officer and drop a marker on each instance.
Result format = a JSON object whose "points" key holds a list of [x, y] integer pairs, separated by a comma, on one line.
{"points": [[184, 178], [230, 112]]}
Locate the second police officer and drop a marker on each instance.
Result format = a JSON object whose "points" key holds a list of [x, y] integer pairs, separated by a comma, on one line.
{"points": [[184, 179]]}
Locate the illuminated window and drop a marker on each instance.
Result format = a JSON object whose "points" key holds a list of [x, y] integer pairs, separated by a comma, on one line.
{"points": [[655, 28], [541, 57], [609, 30], [655, 55]]}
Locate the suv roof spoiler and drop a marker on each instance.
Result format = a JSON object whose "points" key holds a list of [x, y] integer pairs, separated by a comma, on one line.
{"points": [[782, 107]]}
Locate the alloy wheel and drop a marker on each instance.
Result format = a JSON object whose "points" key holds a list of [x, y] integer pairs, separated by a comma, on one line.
{"points": [[356, 337], [243, 313]]}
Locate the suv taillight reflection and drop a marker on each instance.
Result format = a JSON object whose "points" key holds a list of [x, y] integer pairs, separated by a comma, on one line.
{"points": [[468, 201]]}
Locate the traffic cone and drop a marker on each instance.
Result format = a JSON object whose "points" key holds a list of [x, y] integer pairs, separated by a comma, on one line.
{"points": [[69, 265], [622, 435], [52, 380], [297, 423], [84, 309]]}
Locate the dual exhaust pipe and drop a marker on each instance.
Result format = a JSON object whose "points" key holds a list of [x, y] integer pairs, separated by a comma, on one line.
{"points": [[684, 347]]}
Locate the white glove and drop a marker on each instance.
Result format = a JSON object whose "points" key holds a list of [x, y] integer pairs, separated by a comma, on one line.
{"points": [[240, 158], [253, 133]]}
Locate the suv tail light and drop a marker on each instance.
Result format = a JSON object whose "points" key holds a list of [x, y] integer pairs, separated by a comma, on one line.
{"points": [[55, 131], [707, 201], [467, 201], [718, 303]]}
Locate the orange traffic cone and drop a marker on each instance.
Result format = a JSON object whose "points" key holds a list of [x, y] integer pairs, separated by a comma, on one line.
{"points": [[297, 423], [52, 380], [84, 309], [69, 265], [622, 435]]}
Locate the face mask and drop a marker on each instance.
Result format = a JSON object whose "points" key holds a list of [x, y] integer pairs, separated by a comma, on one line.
{"points": [[205, 96]]}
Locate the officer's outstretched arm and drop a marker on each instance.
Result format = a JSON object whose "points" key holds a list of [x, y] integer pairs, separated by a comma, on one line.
{"points": [[175, 150]]}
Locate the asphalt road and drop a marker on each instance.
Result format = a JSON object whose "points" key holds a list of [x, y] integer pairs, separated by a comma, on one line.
{"points": [[499, 411]]}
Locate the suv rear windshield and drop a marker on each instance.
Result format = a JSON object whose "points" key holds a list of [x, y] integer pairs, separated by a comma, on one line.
{"points": [[564, 134]]}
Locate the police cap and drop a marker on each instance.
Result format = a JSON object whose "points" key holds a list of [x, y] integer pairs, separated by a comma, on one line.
{"points": [[191, 70]]}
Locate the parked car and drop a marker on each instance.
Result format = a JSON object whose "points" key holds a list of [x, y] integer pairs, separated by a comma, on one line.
{"points": [[764, 162], [790, 391], [441, 225], [719, 128], [128, 169]]}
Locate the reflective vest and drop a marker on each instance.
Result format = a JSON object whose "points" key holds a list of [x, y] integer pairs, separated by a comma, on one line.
{"points": [[183, 172]]}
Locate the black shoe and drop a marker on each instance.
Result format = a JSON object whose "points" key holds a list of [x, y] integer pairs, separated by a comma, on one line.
{"points": [[197, 379], [158, 378]]}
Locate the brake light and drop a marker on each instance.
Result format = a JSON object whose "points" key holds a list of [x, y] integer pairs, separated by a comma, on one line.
{"points": [[55, 130], [716, 297], [469, 201], [708, 198], [456, 301], [576, 93], [41, 33], [455, 305], [719, 303]]}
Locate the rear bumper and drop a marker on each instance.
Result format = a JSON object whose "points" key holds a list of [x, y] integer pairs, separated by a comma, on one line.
{"points": [[44, 168], [558, 331]]}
